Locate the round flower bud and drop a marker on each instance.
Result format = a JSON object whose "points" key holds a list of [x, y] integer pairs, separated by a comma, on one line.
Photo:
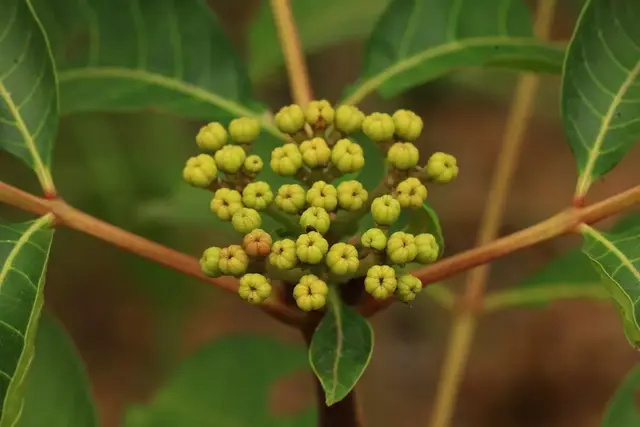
{"points": [[428, 249], [411, 193], [374, 238], [254, 288], [246, 220], [351, 195], [385, 210], [380, 281], [209, 262], [290, 198], [244, 130], [320, 113], [403, 155], [212, 137], [323, 195], [253, 165], [408, 125], [283, 254], [347, 156], [226, 203], [378, 127], [401, 248], [230, 158], [257, 195], [442, 167], [310, 293], [316, 218], [286, 160], [200, 170], [342, 259], [311, 247], [290, 119], [257, 243], [408, 287], [315, 152], [348, 119], [233, 261]]}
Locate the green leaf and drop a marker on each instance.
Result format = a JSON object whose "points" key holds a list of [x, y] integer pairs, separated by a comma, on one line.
{"points": [[601, 86], [58, 391], [416, 41], [28, 90], [340, 350], [24, 250], [225, 383], [623, 410], [425, 220]]}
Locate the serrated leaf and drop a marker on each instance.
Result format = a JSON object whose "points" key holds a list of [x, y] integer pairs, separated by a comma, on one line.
{"points": [[24, 250], [28, 89], [340, 349], [416, 41], [623, 410], [601, 87]]}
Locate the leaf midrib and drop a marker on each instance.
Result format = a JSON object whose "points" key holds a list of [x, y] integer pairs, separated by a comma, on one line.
{"points": [[336, 310]]}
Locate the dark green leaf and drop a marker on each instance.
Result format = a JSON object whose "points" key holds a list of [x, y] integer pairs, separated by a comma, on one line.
{"points": [[623, 409], [416, 41], [425, 220], [225, 383], [24, 250], [600, 87], [58, 391], [28, 90], [340, 350]]}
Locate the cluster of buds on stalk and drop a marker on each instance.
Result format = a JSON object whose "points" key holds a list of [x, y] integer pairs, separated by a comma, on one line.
{"points": [[319, 147]]}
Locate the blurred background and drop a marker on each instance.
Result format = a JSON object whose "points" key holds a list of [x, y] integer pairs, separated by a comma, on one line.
{"points": [[133, 321]]}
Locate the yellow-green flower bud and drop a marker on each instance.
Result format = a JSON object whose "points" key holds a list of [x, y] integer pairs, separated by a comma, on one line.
{"points": [[428, 249], [442, 167], [347, 156], [230, 158], [403, 155], [209, 262], [408, 125], [212, 137], [408, 287], [320, 113], [257, 195], [253, 165], [349, 119], [323, 195], [401, 248], [254, 288], [379, 127], [286, 160], [385, 210], [246, 220], [200, 171], [226, 203], [310, 293], [315, 152], [351, 195], [316, 218], [380, 281], [374, 238], [411, 193], [311, 247], [283, 254], [244, 130], [290, 119], [291, 198], [257, 243], [233, 261], [342, 259]]}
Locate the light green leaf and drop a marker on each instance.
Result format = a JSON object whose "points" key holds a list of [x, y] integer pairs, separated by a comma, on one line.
{"points": [[28, 89], [416, 41], [623, 410], [340, 350], [24, 250], [601, 87]]}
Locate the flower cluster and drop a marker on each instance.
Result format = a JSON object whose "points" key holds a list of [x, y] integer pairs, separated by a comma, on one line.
{"points": [[318, 148]]}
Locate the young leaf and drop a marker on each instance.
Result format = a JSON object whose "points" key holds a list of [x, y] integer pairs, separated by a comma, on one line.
{"points": [[28, 90], [623, 410], [24, 250], [600, 87], [416, 41], [340, 350]]}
